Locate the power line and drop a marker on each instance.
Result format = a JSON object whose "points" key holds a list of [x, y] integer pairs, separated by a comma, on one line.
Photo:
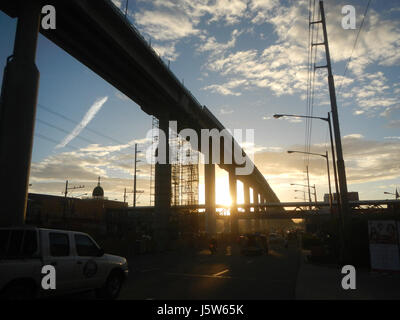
{"points": [[44, 137], [78, 137], [49, 110], [62, 130], [354, 46]]}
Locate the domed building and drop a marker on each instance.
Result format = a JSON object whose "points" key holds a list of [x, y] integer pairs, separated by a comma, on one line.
{"points": [[98, 191]]}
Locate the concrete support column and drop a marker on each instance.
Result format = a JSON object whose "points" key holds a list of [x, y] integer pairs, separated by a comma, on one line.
{"points": [[209, 185], [258, 220], [162, 201], [17, 116], [233, 194], [246, 194], [255, 199], [256, 209]]}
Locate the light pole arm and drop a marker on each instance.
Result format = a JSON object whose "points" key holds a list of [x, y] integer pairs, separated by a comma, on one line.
{"points": [[298, 116]]}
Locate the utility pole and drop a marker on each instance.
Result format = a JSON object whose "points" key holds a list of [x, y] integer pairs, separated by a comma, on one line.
{"points": [[125, 194], [65, 197], [308, 186], [315, 195], [335, 118], [134, 177]]}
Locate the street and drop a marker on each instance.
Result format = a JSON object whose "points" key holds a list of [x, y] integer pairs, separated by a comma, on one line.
{"points": [[225, 275]]}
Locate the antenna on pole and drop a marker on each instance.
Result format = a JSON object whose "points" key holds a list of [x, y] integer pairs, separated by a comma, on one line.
{"points": [[65, 197]]}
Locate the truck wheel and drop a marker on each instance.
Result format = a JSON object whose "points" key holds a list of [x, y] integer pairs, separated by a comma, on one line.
{"points": [[112, 287], [19, 291]]}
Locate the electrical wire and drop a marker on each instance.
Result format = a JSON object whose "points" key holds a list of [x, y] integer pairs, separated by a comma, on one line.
{"points": [[354, 46]]}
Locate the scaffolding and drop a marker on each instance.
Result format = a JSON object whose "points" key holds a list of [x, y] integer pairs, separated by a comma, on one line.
{"points": [[190, 178], [184, 172], [184, 169]]}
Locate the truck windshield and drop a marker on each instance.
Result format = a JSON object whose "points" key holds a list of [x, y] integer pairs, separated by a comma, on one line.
{"points": [[17, 243]]}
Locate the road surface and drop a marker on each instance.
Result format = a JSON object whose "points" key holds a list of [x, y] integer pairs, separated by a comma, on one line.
{"points": [[225, 275]]}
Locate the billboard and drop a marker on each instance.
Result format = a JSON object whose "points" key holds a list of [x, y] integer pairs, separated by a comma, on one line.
{"points": [[384, 245]]}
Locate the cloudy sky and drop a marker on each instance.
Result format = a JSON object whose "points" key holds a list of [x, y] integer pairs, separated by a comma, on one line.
{"points": [[245, 60]]}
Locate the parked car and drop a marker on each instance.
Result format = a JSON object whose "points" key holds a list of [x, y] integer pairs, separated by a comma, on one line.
{"points": [[80, 264]]}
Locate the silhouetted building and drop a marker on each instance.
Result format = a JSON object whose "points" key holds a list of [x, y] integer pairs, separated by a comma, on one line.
{"points": [[98, 191], [44, 208]]}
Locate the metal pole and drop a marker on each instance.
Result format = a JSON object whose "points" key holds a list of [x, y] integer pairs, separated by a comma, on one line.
{"points": [[65, 202], [315, 194], [334, 166], [335, 119], [308, 185], [134, 179], [329, 182]]}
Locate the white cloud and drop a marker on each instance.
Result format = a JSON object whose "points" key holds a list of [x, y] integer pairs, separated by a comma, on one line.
{"points": [[282, 66], [215, 48], [224, 111], [165, 25], [166, 51], [226, 89], [84, 122], [366, 161], [353, 136]]}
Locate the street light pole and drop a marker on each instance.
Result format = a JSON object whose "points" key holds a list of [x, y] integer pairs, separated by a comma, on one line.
{"points": [[328, 119], [397, 196], [329, 182], [329, 175]]}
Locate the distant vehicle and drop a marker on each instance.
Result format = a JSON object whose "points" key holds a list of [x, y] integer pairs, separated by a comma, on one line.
{"points": [[254, 244], [80, 264]]}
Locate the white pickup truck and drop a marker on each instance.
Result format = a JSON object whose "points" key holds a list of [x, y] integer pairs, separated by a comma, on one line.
{"points": [[79, 263]]}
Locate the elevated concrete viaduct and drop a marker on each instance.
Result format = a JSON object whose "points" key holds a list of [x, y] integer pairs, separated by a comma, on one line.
{"points": [[98, 35]]}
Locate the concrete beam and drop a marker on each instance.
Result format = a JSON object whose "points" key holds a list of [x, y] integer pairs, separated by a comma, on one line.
{"points": [[17, 117]]}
